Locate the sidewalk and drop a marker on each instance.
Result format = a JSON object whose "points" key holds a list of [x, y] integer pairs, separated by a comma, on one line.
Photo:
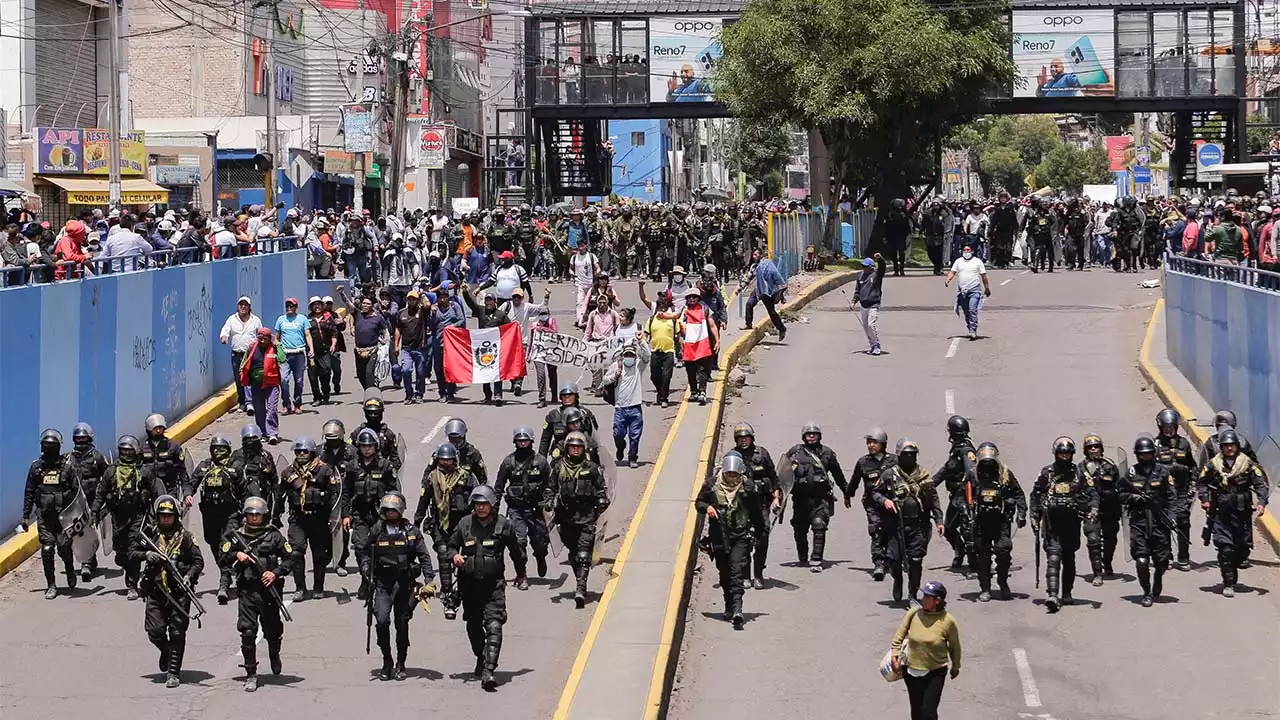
{"points": [[623, 667], [1178, 393]]}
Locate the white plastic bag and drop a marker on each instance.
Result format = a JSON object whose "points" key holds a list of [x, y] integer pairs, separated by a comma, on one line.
{"points": [[382, 368], [886, 664]]}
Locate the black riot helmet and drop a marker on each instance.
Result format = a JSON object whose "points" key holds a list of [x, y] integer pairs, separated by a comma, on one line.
{"points": [[1093, 447], [82, 437], [1144, 445], [456, 430], [988, 453], [251, 437], [392, 502], [127, 449], [523, 437], [573, 415], [50, 442], [367, 442], [811, 428], [1064, 446], [743, 435], [1229, 438], [1224, 419], [957, 426], [447, 451], [334, 431], [1167, 422], [373, 409]]}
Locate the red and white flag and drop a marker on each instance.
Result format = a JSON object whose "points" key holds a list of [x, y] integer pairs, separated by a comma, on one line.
{"points": [[485, 355]]}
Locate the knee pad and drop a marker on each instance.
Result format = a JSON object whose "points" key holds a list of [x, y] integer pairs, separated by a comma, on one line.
{"points": [[47, 550], [159, 636], [493, 628], [819, 524], [1053, 559], [249, 638], [1141, 562], [582, 558]]}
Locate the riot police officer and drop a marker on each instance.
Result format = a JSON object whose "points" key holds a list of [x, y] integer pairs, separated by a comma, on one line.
{"points": [[339, 454], [443, 501], [817, 472], [258, 467], [1174, 452], [127, 492], [475, 551], [523, 481], [390, 442], [168, 457], [999, 502], [1101, 534], [1062, 496], [554, 427], [397, 554], [868, 471], [168, 607], [762, 476], [469, 457], [736, 520], [222, 491], [52, 485], [258, 556], [1150, 495], [1224, 420], [904, 493], [582, 495], [955, 473], [90, 466], [310, 488], [1226, 487], [365, 482], [574, 420]]}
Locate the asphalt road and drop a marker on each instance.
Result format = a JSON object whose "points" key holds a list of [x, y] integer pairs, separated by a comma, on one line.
{"points": [[1057, 356], [86, 655]]}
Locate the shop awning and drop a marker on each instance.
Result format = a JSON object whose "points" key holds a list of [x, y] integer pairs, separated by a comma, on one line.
{"points": [[9, 188], [94, 191]]}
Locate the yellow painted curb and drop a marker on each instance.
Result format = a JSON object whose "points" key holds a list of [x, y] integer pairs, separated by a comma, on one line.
{"points": [[1266, 522], [17, 549], [678, 594]]}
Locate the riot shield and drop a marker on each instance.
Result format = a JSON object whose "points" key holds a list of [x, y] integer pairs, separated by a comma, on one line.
{"points": [[77, 528], [402, 450], [610, 472], [106, 535], [1122, 464], [1122, 461], [1268, 453], [336, 534], [553, 533], [786, 481]]}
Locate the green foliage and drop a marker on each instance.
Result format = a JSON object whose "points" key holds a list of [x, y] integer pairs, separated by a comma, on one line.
{"points": [[1003, 168], [1068, 168], [1258, 137], [760, 148]]}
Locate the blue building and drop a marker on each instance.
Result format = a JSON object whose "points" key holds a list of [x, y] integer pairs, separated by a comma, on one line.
{"points": [[640, 159]]}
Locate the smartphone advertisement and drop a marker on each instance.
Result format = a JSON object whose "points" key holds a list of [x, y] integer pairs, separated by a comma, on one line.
{"points": [[683, 52], [1064, 53]]}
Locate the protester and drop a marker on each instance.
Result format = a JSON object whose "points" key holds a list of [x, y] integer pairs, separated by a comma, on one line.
{"points": [[701, 336], [240, 330], [933, 641], [628, 415], [972, 274], [322, 342], [260, 372], [293, 338], [766, 290], [544, 323], [370, 330], [867, 294], [411, 347]]}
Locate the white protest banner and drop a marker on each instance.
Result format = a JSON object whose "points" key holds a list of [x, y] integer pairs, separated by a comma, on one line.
{"points": [[567, 350]]}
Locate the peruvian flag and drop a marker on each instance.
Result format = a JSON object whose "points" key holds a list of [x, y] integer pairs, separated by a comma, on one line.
{"points": [[485, 355]]}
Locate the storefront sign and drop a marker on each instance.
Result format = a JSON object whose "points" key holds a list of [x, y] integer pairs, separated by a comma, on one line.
{"points": [[337, 162], [177, 175], [128, 197], [77, 151], [432, 147], [1064, 53], [358, 129]]}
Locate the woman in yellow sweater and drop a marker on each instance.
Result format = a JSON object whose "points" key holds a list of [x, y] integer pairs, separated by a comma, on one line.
{"points": [[933, 639]]}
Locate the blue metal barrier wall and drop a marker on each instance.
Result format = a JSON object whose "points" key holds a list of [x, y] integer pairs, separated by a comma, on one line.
{"points": [[790, 234], [1224, 338], [111, 350]]}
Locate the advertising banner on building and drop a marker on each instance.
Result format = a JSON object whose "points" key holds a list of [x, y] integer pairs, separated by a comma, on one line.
{"points": [[432, 147], [337, 162], [1066, 53], [683, 52], [358, 129], [1119, 151], [79, 151]]}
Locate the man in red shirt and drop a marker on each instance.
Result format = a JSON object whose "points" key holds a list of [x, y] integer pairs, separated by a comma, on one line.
{"points": [[260, 372]]}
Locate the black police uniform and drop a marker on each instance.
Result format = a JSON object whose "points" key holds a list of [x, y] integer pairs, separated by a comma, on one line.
{"points": [[1061, 498], [222, 491], [481, 583], [1100, 534], [388, 444], [338, 455], [258, 467], [523, 481], [1227, 487], [52, 485], [444, 500], [907, 528], [869, 471], [739, 521], [814, 467], [762, 477], [364, 482], [398, 553], [166, 625], [554, 430], [169, 461], [1175, 454], [1149, 494], [954, 473], [310, 491], [999, 502], [581, 496], [127, 491], [257, 604]]}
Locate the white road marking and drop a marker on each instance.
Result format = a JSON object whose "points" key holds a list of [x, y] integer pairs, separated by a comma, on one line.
{"points": [[955, 344], [435, 429], [1030, 694], [951, 402], [1025, 272], [1006, 282]]}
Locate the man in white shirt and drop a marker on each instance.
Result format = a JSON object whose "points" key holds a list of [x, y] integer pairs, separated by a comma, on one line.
{"points": [[584, 266], [975, 226], [627, 374], [240, 331], [1102, 249], [971, 287]]}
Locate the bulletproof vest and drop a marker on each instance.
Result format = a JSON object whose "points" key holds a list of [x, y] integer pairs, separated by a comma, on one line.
{"points": [[574, 480], [482, 548], [525, 480], [373, 482], [451, 495], [54, 492], [756, 473], [875, 471], [1040, 225], [1129, 220], [956, 468], [1148, 480], [469, 458], [393, 550], [258, 468], [269, 555], [1064, 489], [126, 489], [1102, 472], [89, 467], [905, 489], [338, 459], [313, 497], [1236, 480], [809, 466], [989, 496], [217, 486], [166, 456], [1175, 456]]}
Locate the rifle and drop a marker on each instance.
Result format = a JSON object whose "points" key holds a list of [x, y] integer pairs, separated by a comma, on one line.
{"points": [[368, 601], [178, 580], [273, 589]]}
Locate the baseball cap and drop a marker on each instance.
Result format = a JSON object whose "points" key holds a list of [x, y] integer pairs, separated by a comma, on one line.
{"points": [[868, 262], [244, 299], [327, 299], [291, 301], [506, 255], [517, 291], [314, 299]]}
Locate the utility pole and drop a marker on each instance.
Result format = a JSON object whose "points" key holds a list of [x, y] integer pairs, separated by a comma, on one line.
{"points": [[113, 100], [273, 137], [358, 201], [400, 96]]}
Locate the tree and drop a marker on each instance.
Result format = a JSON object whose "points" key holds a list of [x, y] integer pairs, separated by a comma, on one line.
{"points": [[1003, 169], [759, 148], [1257, 137], [880, 80], [1068, 168]]}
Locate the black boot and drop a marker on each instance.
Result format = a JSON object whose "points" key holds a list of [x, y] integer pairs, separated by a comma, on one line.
{"points": [[318, 580], [163, 646], [541, 560], [1144, 581], [384, 644], [915, 568], [402, 652], [69, 566], [802, 548], [176, 651], [897, 587], [273, 654], [492, 650], [1157, 583], [249, 651], [51, 585], [580, 594], [224, 592]]}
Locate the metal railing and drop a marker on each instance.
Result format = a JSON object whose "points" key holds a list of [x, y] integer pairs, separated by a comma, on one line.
{"points": [[41, 273], [1228, 272]]}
